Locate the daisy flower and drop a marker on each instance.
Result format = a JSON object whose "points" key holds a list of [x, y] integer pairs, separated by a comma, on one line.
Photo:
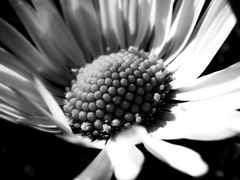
{"points": [[115, 74]]}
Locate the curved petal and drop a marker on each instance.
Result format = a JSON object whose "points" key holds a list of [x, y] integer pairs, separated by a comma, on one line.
{"points": [[127, 160], [49, 32], [28, 119], [23, 49], [99, 169], [181, 158], [212, 85], [144, 23], [112, 22], [58, 117], [199, 123], [163, 18], [228, 101], [83, 21], [8, 117], [116, 17], [211, 32], [138, 25], [80, 140], [131, 136], [14, 100], [52, 104], [13, 80], [12, 62], [26, 69], [183, 25], [106, 24], [39, 123], [130, 16], [16, 81], [11, 111]]}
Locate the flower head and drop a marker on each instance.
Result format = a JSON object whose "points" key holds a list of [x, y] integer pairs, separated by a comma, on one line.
{"points": [[109, 94], [114, 74]]}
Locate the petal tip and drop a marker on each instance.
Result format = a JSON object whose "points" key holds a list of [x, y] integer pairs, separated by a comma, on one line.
{"points": [[199, 170]]}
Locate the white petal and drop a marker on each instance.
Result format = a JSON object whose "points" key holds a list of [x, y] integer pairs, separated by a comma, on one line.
{"points": [[229, 101], [127, 160], [99, 169], [14, 80], [212, 85], [130, 16], [12, 98], [181, 158], [131, 136], [80, 140], [163, 17], [49, 32], [200, 123], [183, 25], [116, 18], [27, 67], [106, 24], [113, 9], [12, 62], [38, 123], [31, 120], [52, 104], [83, 21], [59, 118], [31, 112], [211, 32], [8, 110], [7, 117], [23, 49], [144, 24]]}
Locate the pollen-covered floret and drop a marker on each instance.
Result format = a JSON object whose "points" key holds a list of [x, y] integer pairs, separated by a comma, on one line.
{"points": [[116, 91]]}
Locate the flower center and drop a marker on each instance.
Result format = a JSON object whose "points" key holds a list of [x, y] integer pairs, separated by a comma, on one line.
{"points": [[115, 92]]}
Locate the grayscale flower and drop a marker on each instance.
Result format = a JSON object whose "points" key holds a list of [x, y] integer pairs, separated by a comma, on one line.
{"points": [[114, 74]]}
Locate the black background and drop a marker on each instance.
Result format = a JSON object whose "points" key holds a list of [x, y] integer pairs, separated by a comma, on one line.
{"points": [[29, 154]]}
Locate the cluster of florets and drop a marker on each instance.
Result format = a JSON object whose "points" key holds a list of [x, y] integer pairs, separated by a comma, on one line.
{"points": [[115, 92]]}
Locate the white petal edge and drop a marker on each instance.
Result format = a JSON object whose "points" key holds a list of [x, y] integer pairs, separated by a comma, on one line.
{"points": [[130, 13], [116, 20], [163, 17], [211, 85], [211, 33], [144, 24], [183, 26], [51, 103], [83, 21], [58, 117], [126, 158], [23, 48], [8, 110], [12, 98], [199, 123], [228, 101], [106, 25], [178, 157], [79, 140], [100, 168], [49, 32], [14, 80]]}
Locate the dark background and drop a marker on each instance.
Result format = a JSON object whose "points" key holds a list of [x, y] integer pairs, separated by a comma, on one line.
{"points": [[29, 154]]}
